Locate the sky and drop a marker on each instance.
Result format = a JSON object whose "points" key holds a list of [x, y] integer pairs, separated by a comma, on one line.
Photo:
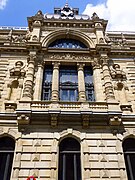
{"points": [[119, 13]]}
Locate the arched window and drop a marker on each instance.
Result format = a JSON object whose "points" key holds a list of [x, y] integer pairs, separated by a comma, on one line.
{"points": [[67, 44], [7, 146], [129, 155], [69, 160]]}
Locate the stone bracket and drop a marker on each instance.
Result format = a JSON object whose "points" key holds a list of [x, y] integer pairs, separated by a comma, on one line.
{"points": [[85, 120], [115, 121], [23, 121], [54, 119]]}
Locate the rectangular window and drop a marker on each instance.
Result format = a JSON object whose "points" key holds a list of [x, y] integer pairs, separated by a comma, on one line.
{"points": [[47, 83], [68, 83], [89, 87]]}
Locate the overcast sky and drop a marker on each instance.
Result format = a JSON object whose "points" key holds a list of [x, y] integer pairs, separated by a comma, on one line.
{"points": [[120, 13]]}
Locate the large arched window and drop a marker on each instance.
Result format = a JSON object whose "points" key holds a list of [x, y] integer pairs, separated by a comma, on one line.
{"points": [[69, 160], [129, 155], [7, 146], [67, 44]]}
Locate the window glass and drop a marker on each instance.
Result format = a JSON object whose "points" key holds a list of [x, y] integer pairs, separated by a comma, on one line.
{"points": [[129, 155], [7, 146], [89, 87], [68, 83], [67, 43], [47, 83]]}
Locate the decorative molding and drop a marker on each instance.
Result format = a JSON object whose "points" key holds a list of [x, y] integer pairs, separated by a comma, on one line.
{"points": [[10, 106], [18, 70], [118, 74], [126, 107], [70, 132]]}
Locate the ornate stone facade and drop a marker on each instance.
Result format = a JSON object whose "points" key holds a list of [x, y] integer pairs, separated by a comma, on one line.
{"points": [[38, 126]]}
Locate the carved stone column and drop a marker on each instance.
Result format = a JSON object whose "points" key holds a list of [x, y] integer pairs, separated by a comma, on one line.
{"points": [[28, 86], [107, 78], [98, 88], [81, 82], [55, 82], [38, 82]]}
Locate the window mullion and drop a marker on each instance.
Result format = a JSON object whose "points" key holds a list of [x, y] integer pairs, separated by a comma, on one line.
{"points": [[130, 167], [64, 167], [75, 167], [6, 167]]}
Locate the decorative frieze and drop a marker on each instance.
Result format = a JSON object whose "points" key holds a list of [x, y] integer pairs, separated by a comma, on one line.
{"points": [[68, 56]]}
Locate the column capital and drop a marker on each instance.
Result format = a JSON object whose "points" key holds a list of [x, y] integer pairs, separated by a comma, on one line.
{"points": [[80, 66], [32, 57], [95, 63], [56, 65], [104, 59]]}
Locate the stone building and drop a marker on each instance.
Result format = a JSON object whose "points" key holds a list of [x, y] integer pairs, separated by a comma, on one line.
{"points": [[67, 99]]}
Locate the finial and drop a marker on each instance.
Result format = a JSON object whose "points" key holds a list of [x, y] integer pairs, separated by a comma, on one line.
{"points": [[66, 3]]}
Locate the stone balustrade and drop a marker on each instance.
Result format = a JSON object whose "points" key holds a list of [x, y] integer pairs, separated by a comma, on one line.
{"points": [[36, 105]]}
